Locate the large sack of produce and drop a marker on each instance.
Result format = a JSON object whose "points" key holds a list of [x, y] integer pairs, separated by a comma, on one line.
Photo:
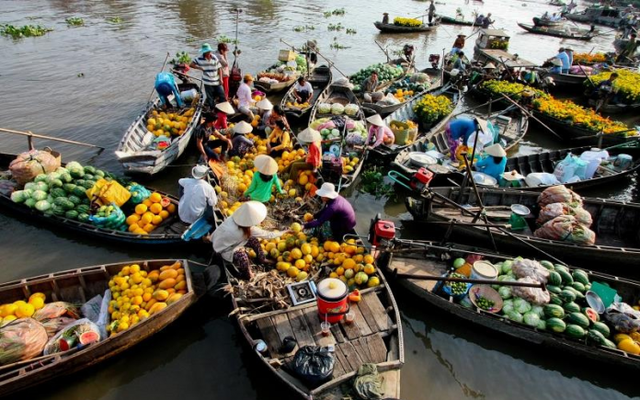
{"points": [[313, 365], [21, 339], [32, 163], [535, 296], [79, 333], [55, 310], [559, 194], [550, 211], [525, 268], [623, 317], [566, 228]]}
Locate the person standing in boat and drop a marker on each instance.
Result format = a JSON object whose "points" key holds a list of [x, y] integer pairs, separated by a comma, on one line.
{"points": [[211, 69], [604, 91], [198, 198], [166, 85], [385, 18], [493, 162], [264, 180], [487, 21], [206, 146], [223, 49], [337, 212], [458, 44], [432, 11], [245, 100], [378, 132], [302, 90], [459, 130]]}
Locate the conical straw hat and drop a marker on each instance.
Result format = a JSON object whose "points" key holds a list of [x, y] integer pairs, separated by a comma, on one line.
{"points": [[250, 214], [266, 165], [309, 135]]}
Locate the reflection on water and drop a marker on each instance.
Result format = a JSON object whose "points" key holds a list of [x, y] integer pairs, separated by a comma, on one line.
{"points": [[202, 355]]}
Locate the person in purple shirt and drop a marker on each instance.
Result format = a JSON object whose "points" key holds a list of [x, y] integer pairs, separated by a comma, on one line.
{"points": [[337, 211]]}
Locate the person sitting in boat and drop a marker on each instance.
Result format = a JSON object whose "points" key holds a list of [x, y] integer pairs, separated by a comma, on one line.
{"points": [[279, 140], [245, 100], [369, 86], [240, 144], [511, 179], [458, 44], [569, 52], [198, 198], [487, 21], [385, 18], [277, 114], [556, 66], [204, 143], [490, 71], [460, 62], [379, 133], [529, 77], [264, 180], [459, 130], [313, 162], [604, 91], [223, 111], [337, 212], [564, 59], [239, 233], [166, 85], [302, 90], [493, 162], [265, 109]]}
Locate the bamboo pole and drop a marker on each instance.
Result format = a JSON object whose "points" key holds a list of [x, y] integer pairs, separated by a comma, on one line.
{"points": [[32, 135]]}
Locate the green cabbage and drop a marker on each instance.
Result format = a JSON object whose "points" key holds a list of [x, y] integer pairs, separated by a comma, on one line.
{"points": [[538, 310], [18, 196], [542, 325], [504, 292], [38, 195], [506, 266], [531, 319], [521, 305], [43, 205], [515, 316], [27, 193], [31, 203], [507, 306], [30, 186], [73, 165]]}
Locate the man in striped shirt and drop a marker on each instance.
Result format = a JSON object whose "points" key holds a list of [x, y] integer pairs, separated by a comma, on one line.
{"points": [[211, 69]]}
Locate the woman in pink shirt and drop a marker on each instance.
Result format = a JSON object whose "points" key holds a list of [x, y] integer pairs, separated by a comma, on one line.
{"points": [[378, 132], [314, 153]]}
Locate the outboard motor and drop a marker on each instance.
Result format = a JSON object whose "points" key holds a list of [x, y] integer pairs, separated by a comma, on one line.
{"points": [[381, 232], [420, 180]]}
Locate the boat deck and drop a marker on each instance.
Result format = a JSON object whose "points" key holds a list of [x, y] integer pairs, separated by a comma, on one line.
{"points": [[420, 267]]}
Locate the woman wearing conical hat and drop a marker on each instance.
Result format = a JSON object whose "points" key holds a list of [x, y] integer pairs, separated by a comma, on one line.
{"points": [[264, 180]]}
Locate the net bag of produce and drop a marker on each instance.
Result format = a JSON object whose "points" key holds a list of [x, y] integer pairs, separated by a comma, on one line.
{"points": [[313, 365], [55, 310], [525, 268], [108, 192], [32, 163], [533, 295], [138, 193], [566, 228], [79, 333], [550, 211], [53, 325], [623, 318], [559, 194], [21, 339], [420, 77]]}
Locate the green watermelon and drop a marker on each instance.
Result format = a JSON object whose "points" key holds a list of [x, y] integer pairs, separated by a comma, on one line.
{"points": [[579, 287], [89, 177], [58, 210], [591, 314], [60, 201], [575, 331], [76, 173], [608, 343], [596, 336], [40, 178], [83, 217], [71, 214], [567, 279], [80, 191], [56, 183], [74, 199], [79, 182], [552, 310], [68, 187], [99, 173], [556, 325], [66, 178], [567, 295], [57, 192], [602, 328], [554, 278], [554, 289], [578, 318], [580, 276], [571, 307], [89, 184], [547, 264], [555, 300], [578, 294], [88, 169], [83, 208]]}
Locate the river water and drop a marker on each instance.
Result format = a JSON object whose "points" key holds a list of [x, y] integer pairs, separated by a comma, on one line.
{"points": [[89, 83]]}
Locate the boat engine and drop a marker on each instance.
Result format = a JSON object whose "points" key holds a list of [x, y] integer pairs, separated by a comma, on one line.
{"points": [[420, 180], [434, 59], [381, 232]]}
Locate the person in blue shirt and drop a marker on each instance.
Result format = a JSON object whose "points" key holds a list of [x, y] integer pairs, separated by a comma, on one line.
{"points": [[461, 129], [166, 85], [557, 66], [564, 58], [494, 162]]}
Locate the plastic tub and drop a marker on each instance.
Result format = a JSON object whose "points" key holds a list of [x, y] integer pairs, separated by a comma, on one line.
{"points": [[484, 270], [188, 95], [332, 300]]}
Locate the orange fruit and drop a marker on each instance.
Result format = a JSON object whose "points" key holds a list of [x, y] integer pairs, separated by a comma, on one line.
{"points": [[146, 218], [155, 208], [156, 220], [334, 247], [164, 214], [133, 227], [155, 197], [300, 264], [149, 227], [308, 217], [349, 263], [132, 219], [340, 271], [147, 202], [171, 208], [141, 209]]}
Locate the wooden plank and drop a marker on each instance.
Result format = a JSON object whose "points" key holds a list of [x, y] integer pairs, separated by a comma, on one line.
{"points": [[270, 336], [361, 345], [342, 365], [378, 311], [301, 329], [337, 332], [359, 327], [369, 316], [311, 315], [378, 349], [353, 357], [283, 328]]}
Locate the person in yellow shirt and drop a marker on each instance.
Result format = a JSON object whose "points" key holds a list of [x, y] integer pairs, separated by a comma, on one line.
{"points": [[279, 140]]}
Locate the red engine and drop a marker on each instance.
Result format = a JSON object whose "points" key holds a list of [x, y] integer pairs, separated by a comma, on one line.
{"points": [[420, 180], [383, 231]]}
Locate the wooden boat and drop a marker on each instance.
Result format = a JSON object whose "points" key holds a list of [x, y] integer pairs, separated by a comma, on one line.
{"points": [[137, 154], [78, 286], [169, 232], [384, 110], [320, 79], [615, 223], [276, 87], [578, 135], [343, 95], [375, 337], [392, 28], [597, 15], [546, 22], [492, 44], [618, 108], [454, 21], [406, 113], [550, 31], [537, 162], [424, 258]]}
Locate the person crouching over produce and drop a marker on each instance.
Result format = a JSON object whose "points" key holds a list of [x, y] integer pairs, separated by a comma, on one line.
{"points": [[337, 211], [223, 111], [494, 162], [264, 180], [369, 86], [314, 153], [166, 85], [378, 132], [302, 90], [244, 97], [265, 109], [240, 143], [279, 140], [462, 129], [198, 198], [204, 143], [239, 233], [277, 114]]}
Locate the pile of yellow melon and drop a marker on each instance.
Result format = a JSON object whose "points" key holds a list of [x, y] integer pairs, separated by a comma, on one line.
{"points": [[349, 164], [138, 294], [163, 124], [298, 105], [150, 213], [403, 95], [21, 309]]}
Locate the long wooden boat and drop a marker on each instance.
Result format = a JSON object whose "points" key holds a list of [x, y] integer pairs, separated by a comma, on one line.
{"points": [[597, 15], [525, 164], [320, 78], [615, 108], [454, 21], [384, 110], [78, 286], [406, 113], [276, 87], [565, 82], [578, 135], [616, 224], [136, 152], [375, 337], [343, 95], [537, 21], [512, 130], [422, 258], [549, 31], [169, 232], [392, 28]]}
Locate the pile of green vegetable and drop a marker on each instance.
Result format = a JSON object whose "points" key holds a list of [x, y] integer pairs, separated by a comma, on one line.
{"points": [[406, 84], [385, 72]]}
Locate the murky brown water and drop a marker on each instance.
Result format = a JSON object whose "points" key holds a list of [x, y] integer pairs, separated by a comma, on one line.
{"points": [[201, 355]]}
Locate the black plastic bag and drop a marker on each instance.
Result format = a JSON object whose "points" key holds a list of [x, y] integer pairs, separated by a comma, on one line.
{"points": [[313, 365]]}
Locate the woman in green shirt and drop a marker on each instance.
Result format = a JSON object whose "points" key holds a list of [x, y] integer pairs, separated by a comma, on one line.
{"points": [[264, 179]]}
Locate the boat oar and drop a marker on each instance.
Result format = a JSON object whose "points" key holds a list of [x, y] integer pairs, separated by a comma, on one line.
{"points": [[530, 115], [396, 274], [383, 50], [30, 135]]}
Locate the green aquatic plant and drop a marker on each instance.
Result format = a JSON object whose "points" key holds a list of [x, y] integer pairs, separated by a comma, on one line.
{"points": [[114, 20], [226, 39], [75, 21], [17, 32], [372, 183]]}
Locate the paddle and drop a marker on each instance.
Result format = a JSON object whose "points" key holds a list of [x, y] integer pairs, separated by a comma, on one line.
{"points": [[32, 135], [530, 115]]}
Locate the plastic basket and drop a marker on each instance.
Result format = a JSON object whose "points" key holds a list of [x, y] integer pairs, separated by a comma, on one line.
{"points": [[286, 55]]}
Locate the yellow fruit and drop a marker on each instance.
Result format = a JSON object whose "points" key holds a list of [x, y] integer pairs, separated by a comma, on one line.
{"points": [[173, 298], [141, 209], [368, 259], [147, 296], [303, 180], [373, 281], [349, 273], [38, 294], [306, 249], [630, 346], [137, 300], [340, 271], [157, 307], [171, 208], [300, 264], [369, 269], [296, 254], [293, 272], [619, 337], [348, 263], [333, 275], [132, 219], [164, 214], [155, 208], [302, 276], [149, 227], [308, 258], [8, 309], [155, 197], [25, 310], [145, 219], [293, 193], [156, 220], [160, 295], [167, 283], [334, 247], [296, 227], [168, 273], [9, 318]]}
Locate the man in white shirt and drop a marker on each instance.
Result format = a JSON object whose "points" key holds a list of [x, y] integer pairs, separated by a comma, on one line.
{"points": [[302, 90], [199, 197], [211, 69], [244, 97]]}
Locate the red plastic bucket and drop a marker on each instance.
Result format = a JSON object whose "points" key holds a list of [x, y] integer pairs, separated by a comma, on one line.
{"points": [[332, 300]]}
